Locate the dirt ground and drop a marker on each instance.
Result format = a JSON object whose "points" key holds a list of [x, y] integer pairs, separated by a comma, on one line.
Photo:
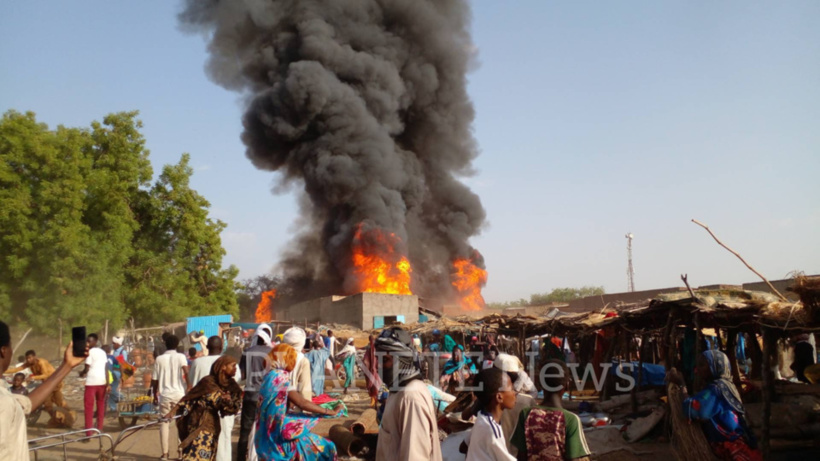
{"points": [[144, 444]]}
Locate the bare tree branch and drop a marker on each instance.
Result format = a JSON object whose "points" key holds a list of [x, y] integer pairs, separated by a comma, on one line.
{"points": [[771, 287]]}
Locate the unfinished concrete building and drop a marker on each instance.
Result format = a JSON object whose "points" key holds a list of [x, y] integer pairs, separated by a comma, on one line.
{"points": [[362, 310]]}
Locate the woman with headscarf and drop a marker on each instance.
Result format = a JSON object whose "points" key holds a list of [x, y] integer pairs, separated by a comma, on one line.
{"points": [[279, 435], [300, 376], [348, 358], [216, 395], [719, 408], [318, 359], [456, 370], [371, 377]]}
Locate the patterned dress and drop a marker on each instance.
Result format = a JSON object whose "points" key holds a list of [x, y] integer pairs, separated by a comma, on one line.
{"points": [[203, 443], [549, 434], [282, 437]]}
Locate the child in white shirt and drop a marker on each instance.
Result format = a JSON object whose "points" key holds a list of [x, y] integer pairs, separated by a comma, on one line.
{"points": [[486, 441]]}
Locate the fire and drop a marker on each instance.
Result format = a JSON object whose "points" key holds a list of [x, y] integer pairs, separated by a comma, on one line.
{"points": [[264, 310], [468, 281], [379, 268]]}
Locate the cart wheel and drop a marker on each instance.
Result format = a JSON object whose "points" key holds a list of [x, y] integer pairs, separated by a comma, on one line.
{"points": [[124, 425]]}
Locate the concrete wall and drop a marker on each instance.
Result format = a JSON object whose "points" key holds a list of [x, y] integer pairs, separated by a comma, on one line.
{"points": [[781, 286], [356, 310], [378, 304], [592, 303], [597, 302], [305, 311]]}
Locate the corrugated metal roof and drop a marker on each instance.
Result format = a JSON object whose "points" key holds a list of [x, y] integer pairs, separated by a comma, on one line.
{"points": [[208, 324]]}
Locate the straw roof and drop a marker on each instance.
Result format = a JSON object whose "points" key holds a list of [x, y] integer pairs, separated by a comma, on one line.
{"points": [[715, 309]]}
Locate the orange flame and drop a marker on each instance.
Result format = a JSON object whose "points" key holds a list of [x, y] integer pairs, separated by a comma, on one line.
{"points": [[264, 310], [378, 266], [468, 281]]}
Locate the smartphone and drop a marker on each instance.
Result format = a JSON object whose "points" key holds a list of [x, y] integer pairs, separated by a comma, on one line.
{"points": [[78, 337]]}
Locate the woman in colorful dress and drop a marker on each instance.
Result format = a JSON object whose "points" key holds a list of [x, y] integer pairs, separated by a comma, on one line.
{"points": [[348, 358], [456, 370], [281, 436], [216, 395], [371, 376], [719, 408]]}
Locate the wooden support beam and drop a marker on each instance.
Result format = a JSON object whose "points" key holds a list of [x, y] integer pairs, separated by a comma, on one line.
{"points": [[756, 355], [731, 348], [668, 341], [768, 389], [608, 359], [696, 380]]}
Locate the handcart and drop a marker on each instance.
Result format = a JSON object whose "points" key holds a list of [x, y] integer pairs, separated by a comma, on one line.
{"points": [[136, 404]]}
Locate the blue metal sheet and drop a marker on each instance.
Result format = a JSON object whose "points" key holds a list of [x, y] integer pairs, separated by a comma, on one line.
{"points": [[208, 324]]}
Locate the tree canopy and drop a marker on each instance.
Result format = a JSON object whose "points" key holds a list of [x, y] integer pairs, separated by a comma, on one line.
{"points": [[86, 237], [557, 295]]}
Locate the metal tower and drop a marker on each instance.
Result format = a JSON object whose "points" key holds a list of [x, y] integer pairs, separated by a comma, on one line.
{"points": [[630, 272]]}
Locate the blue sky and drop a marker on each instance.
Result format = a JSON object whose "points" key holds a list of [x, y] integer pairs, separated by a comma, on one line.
{"points": [[594, 119]]}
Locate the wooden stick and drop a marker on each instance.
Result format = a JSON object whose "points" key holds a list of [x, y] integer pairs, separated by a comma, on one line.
{"points": [[731, 348], [21, 340], [696, 380], [771, 287], [668, 340], [768, 387], [685, 278]]}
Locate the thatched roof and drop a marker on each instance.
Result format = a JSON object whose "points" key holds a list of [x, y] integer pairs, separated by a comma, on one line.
{"points": [[714, 308]]}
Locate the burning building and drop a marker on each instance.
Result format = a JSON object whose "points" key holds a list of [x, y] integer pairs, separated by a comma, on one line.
{"points": [[363, 106], [363, 310]]}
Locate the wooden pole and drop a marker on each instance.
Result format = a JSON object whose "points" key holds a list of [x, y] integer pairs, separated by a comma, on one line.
{"points": [[696, 380], [105, 334], [768, 387], [22, 339], [756, 355], [637, 387], [731, 348], [669, 340], [633, 396], [608, 359], [60, 344]]}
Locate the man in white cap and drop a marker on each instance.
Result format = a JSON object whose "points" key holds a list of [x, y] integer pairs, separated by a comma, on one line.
{"points": [[300, 378], [525, 398]]}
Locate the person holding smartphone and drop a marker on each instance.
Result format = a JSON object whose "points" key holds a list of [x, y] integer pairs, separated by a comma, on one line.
{"points": [[14, 408], [96, 383]]}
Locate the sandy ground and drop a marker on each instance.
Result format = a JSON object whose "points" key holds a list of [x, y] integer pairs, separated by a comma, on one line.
{"points": [[144, 444]]}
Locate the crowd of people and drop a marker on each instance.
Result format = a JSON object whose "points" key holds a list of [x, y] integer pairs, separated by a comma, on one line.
{"points": [[275, 382]]}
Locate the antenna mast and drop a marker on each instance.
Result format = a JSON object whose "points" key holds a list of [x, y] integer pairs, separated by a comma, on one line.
{"points": [[630, 272]]}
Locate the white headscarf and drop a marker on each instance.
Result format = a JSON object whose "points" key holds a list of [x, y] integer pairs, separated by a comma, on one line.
{"points": [[349, 349], [295, 337], [262, 331], [117, 340]]}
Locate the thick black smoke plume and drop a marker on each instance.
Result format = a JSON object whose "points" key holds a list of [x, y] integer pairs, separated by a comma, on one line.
{"points": [[365, 103]]}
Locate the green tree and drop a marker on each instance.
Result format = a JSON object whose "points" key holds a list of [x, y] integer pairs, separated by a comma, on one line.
{"points": [[177, 270], [563, 295], [85, 238]]}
